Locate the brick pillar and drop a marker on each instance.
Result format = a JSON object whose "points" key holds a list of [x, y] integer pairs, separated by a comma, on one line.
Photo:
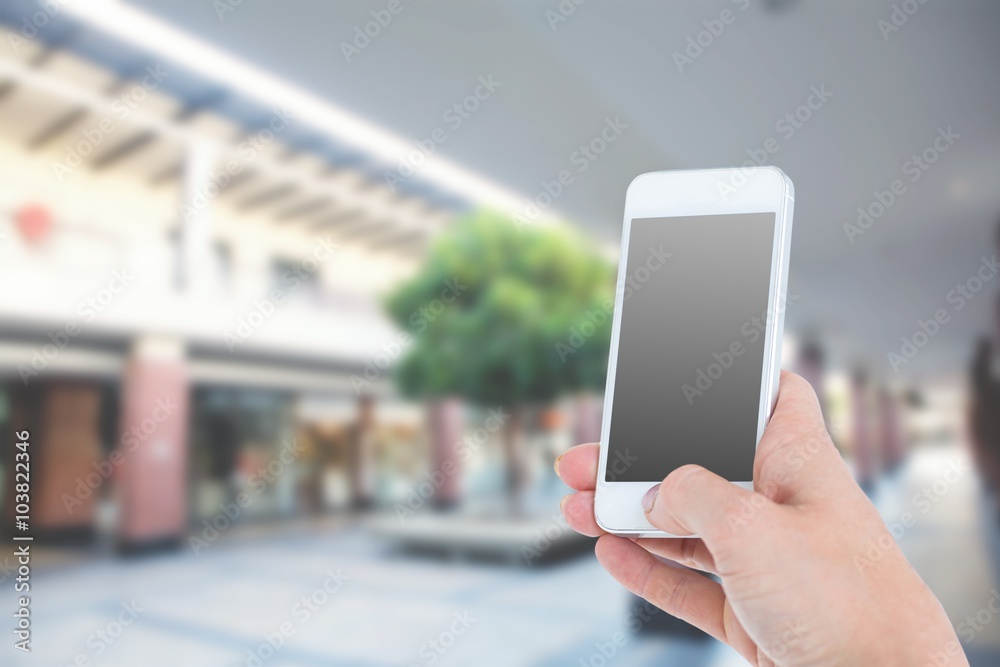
{"points": [[445, 421], [152, 479], [587, 411]]}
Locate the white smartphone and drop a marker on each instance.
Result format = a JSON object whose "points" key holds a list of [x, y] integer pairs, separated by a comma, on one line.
{"points": [[696, 338]]}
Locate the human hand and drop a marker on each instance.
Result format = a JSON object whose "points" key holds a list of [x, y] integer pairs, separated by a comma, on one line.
{"points": [[810, 573]]}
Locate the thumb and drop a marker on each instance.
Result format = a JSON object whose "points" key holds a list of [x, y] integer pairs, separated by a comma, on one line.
{"points": [[796, 461], [694, 501]]}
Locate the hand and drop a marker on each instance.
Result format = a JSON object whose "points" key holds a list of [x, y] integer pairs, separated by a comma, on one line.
{"points": [[810, 574]]}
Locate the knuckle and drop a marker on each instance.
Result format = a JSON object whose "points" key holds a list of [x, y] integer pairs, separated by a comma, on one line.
{"points": [[689, 550], [734, 503], [673, 597], [681, 479]]}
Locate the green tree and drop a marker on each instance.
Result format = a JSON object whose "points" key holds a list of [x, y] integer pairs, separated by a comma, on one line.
{"points": [[493, 312]]}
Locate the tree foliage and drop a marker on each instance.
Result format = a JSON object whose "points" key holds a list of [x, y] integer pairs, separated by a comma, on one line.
{"points": [[515, 296]]}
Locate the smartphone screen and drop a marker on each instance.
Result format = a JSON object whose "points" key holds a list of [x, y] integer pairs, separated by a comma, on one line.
{"points": [[687, 380]]}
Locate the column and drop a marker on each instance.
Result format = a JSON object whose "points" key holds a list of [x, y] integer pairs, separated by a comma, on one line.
{"points": [[152, 481]]}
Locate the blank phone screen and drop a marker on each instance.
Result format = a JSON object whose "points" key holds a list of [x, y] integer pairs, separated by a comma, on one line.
{"points": [[691, 346]]}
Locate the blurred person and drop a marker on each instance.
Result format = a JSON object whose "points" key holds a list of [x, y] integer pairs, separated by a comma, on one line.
{"points": [[362, 443], [985, 411], [809, 364], [890, 431], [984, 440], [554, 435], [864, 453], [313, 456], [984, 435], [810, 574], [985, 418], [222, 430]]}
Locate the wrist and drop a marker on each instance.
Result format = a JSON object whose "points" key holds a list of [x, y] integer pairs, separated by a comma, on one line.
{"points": [[904, 640], [907, 624], [946, 652]]}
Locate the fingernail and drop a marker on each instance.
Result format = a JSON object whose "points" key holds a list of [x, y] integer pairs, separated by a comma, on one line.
{"points": [[556, 464], [649, 498], [562, 503]]}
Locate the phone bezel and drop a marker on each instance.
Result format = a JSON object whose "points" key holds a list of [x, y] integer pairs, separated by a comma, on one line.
{"points": [[665, 194]]}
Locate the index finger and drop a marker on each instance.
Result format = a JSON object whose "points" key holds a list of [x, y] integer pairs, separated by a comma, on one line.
{"points": [[578, 466]]}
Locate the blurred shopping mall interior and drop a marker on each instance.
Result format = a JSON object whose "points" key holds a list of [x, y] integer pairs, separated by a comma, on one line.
{"points": [[215, 221]]}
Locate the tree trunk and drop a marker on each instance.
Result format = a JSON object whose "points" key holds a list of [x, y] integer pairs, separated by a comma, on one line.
{"points": [[514, 459]]}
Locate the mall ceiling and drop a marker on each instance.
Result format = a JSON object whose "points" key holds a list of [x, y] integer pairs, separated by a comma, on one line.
{"points": [[563, 75]]}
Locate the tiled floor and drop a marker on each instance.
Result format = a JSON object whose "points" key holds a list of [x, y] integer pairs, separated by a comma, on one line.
{"points": [[211, 610], [953, 542], [219, 608]]}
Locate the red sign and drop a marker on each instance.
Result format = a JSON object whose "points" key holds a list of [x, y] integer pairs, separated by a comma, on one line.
{"points": [[34, 222]]}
